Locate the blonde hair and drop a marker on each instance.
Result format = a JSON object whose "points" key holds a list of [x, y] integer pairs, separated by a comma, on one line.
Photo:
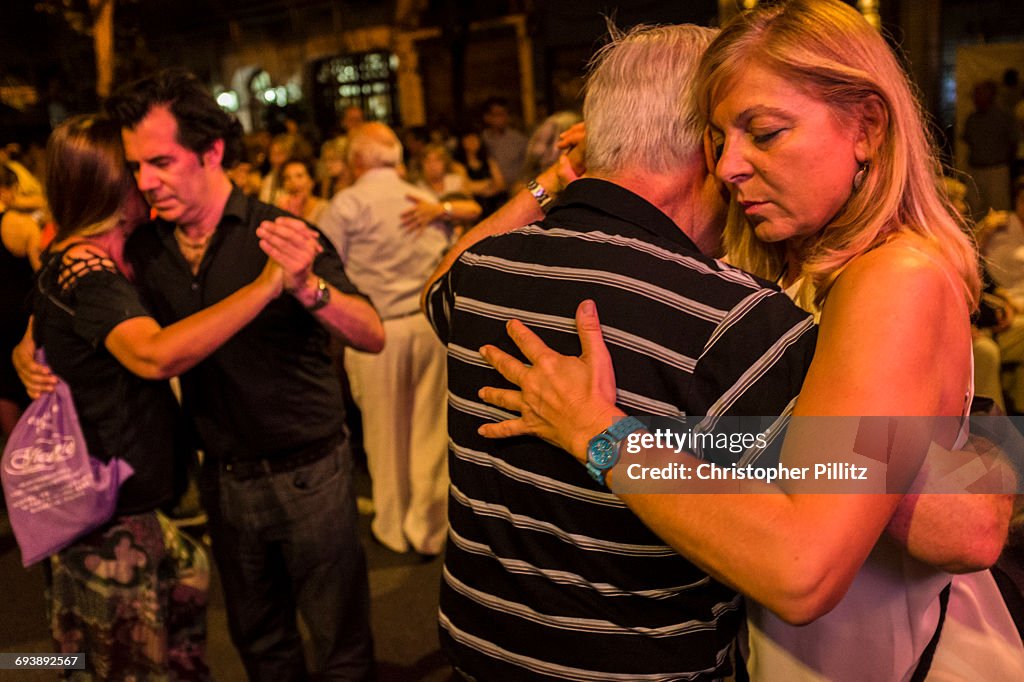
{"points": [[830, 51], [441, 151]]}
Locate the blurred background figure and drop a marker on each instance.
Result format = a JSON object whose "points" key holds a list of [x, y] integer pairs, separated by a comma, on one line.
{"points": [[297, 196], [991, 135], [484, 179], [436, 172], [400, 391], [28, 196], [445, 180], [414, 140], [351, 118], [19, 258], [1009, 90], [282, 148], [333, 174], [506, 145], [995, 314], [246, 175], [1000, 237], [542, 149], [1011, 99], [301, 145]]}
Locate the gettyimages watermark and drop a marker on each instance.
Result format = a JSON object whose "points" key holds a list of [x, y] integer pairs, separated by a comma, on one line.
{"points": [[823, 455]]}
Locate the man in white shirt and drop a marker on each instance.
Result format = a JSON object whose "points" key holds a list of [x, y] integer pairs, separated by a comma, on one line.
{"points": [[401, 391]]}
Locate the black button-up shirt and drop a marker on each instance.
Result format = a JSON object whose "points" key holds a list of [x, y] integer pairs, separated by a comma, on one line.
{"points": [[270, 391]]}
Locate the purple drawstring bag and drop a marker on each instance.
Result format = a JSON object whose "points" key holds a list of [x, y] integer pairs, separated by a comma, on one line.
{"points": [[55, 492]]}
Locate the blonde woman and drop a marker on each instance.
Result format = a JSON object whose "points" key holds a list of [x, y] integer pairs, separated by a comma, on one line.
{"points": [[441, 177], [815, 131]]}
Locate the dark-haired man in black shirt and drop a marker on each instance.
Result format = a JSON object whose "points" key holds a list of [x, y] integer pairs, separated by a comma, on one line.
{"points": [[266, 408]]}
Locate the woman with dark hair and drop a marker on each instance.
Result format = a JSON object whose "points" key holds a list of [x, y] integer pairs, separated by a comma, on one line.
{"points": [[298, 196], [131, 595], [485, 182]]}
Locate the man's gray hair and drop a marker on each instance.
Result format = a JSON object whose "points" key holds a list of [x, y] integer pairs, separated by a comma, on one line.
{"points": [[374, 145], [638, 107]]}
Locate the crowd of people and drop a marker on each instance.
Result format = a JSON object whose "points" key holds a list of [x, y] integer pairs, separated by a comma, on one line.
{"points": [[790, 142], [481, 161]]}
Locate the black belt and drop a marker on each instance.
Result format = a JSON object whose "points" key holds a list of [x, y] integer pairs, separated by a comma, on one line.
{"points": [[254, 468]]}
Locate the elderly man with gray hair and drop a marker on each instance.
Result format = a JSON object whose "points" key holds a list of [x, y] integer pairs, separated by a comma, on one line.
{"points": [[389, 246]]}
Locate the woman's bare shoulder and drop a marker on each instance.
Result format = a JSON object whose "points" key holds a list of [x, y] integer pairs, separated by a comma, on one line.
{"points": [[905, 268]]}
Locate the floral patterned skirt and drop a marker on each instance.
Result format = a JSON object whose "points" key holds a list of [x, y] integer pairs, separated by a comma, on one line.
{"points": [[132, 596]]}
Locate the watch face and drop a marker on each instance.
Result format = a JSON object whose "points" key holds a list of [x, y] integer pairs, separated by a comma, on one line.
{"points": [[603, 452]]}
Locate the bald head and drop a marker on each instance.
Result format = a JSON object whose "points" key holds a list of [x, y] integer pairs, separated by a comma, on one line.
{"points": [[373, 145]]}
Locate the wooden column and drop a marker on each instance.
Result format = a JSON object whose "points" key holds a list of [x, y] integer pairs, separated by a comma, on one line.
{"points": [[102, 12], [410, 85], [524, 46]]}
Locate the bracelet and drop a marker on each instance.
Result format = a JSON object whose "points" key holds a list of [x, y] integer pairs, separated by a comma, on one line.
{"points": [[540, 194]]}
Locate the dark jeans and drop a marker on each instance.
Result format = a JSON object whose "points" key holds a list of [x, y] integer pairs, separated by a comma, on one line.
{"points": [[287, 542]]}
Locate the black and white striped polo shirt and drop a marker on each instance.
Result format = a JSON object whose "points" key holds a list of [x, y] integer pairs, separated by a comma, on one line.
{"points": [[548, 575]]}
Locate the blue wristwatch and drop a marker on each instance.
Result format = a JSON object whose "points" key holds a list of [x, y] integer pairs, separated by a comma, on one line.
{"points": [[603, 450]]}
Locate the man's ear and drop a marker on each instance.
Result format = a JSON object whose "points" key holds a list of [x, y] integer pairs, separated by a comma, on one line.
{"points": [[214, 154], [710, 159], [873, 119]]}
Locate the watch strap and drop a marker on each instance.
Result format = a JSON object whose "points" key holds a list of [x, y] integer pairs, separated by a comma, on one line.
{"points": [[540, 194], [610, 437], [625, 426], [322, 296], [599, 475]]}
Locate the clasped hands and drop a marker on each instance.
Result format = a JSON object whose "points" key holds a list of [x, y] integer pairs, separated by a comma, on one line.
{"points": [[293, 246]]}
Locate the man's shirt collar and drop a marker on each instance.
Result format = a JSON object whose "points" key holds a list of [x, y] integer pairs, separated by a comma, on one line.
{"points": [[620, 204]]}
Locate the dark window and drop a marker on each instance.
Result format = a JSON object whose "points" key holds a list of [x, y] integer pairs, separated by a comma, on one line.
{"points": [[366, 80]]}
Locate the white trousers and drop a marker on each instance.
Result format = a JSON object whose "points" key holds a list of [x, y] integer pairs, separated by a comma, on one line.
{"points": [[402, 393]]}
